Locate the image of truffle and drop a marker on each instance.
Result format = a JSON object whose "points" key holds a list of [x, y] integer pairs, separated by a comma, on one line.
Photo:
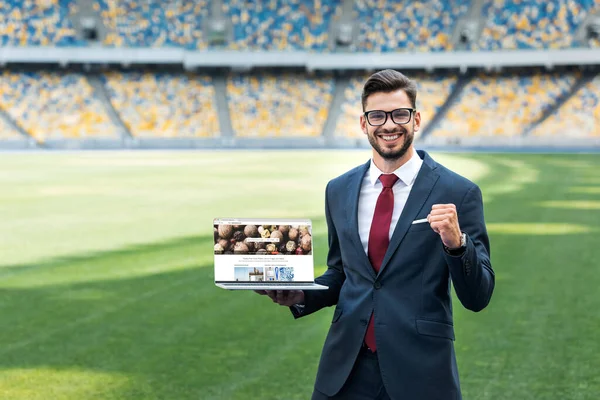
{"points": [[271, 247], [251, 231], [219, 249], [240, 248], [224, 243], [238, 236], [251, 245], [291, 246], [303, 230], [306, 243], [225, 231], [237, 239], [276, 234], [285, 229]]}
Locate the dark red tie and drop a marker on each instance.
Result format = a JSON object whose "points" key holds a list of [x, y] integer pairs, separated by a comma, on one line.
{"points": [[379, 238]]}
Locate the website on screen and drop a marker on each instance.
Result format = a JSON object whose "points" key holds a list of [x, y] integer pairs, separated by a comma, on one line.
{"points": [[263, 250]]}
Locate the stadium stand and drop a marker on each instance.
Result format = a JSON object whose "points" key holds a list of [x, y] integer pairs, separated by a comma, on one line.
{"points": [[578, 117], [54, 106], [277, 103], [7, 132], [424, 25], [37, 23], [432, 91], [265, 105], [164, 105], [526, 24], [280, 24], [154, 23], [503, 104]]}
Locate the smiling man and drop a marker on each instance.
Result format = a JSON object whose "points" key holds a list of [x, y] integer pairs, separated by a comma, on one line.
{"points": [[401, 228]]}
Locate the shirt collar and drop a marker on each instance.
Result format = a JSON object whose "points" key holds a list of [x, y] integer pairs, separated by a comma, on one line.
{"points": [[407, 173]]}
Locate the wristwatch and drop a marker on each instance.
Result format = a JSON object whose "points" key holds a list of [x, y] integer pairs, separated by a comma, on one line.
{"points": [[459, 251]]}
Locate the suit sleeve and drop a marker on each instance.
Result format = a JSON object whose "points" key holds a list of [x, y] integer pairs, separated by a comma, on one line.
{"points": [[471, 272], [334, 277]]}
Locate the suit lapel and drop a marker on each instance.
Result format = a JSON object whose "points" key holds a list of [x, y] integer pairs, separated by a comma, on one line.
{"points": [[354, 185], [424, 183]]}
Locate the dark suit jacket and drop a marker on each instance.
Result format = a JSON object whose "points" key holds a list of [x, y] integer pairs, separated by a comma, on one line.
{"points": [[410, 295]]}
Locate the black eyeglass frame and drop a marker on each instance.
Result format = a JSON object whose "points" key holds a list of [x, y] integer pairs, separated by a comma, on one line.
{"points": [[412, 111]]}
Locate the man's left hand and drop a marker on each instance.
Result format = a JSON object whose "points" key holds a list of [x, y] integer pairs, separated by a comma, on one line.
{"points": [[444, 221]]}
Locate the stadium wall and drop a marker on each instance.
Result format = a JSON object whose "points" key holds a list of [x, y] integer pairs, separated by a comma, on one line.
{"points": [[310, 61], [513, 144]]}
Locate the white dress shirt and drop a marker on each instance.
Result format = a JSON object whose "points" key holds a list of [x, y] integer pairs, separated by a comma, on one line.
{"points": [[371, 188]]}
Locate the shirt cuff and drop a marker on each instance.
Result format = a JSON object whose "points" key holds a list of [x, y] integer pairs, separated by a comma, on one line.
{"points": [[459, 252], [297, 309]]}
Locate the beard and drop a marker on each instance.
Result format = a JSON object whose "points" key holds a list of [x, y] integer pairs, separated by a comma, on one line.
{"points": [[392, 154]]}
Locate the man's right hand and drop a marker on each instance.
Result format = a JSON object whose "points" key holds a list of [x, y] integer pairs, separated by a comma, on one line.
{"points": [[284, 297]]}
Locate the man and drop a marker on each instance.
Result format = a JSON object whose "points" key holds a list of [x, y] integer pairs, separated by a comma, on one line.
{"points": [[400, 228]]}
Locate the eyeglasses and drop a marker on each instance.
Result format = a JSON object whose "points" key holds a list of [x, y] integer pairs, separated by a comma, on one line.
{"points": [[379, 117]]}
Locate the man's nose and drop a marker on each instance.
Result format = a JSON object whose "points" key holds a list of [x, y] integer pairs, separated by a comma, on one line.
{"points": [[389, 125]]}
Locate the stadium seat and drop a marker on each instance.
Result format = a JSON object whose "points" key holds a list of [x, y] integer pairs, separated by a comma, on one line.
{"points": [[54, 106], [432, 91], [532, 24], [264, 105], [37, 23], [503, 104], [280, 24], [578, 117], [154, 23], [164, 105], [422, 25]]}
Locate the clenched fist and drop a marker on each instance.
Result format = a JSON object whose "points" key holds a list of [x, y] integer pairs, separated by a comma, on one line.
{"points": [[444, 221]]}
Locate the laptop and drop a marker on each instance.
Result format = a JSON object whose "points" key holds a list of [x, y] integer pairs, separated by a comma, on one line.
{"points": [[264, 254]]}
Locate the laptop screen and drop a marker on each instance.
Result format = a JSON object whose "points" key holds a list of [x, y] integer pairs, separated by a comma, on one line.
{"points": [[263, 250]]}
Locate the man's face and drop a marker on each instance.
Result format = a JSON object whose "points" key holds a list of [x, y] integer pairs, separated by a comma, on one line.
{"points": [[390, 140]]}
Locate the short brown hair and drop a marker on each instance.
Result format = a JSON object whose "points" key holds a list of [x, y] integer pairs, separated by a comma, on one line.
{"points": [[387, 81]]}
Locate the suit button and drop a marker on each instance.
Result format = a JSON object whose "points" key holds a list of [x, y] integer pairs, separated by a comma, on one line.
{"points": [[377, 285]]}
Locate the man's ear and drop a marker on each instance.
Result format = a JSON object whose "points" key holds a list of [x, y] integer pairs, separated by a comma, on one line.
{"points": [[417, 121], [363, 124]]}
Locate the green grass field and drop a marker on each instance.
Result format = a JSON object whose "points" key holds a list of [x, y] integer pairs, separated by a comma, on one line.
{"points": [[106, 276]]}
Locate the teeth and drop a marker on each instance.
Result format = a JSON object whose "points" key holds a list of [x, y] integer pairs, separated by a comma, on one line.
{"points": [[390, 138]]}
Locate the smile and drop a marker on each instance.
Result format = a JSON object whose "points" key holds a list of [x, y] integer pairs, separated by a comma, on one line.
{"points": [[390, 138]]}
